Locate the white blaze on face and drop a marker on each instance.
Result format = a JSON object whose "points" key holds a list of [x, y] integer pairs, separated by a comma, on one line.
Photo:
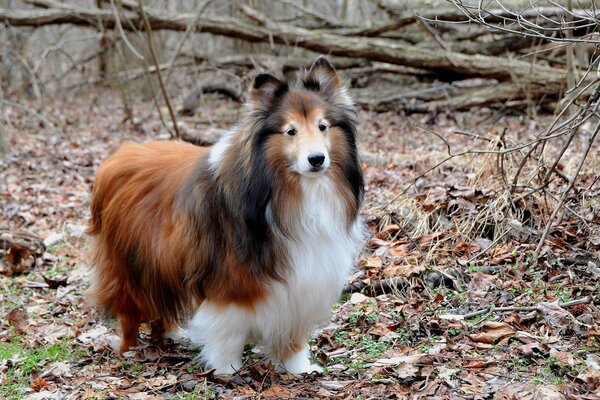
{"points": [[309, 142]]}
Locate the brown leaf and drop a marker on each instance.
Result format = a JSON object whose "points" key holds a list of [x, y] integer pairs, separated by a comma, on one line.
{"points": [[400, 250], [492, 332], [371, 262], [563, 357], [19, 260], [529, 348], [277, 392], [527, 391], [556, 316], [429, 239], [404, 365], [39, 384], [476, 364], [18, 319], [465, 249], [378, 329], [501, 254], [375, 242], [405, 270], [388, 231]]}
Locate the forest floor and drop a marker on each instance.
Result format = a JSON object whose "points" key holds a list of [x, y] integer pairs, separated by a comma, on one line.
{"points": [[453, 251]]}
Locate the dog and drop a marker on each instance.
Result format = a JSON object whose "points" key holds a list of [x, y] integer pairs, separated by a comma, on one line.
{"points": [[250, 240]]}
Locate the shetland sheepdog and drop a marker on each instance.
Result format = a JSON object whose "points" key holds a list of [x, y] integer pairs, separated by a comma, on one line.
{"points": [[250, 240]]}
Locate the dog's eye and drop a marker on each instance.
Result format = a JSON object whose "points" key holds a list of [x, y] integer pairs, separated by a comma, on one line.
{"points": [[290, 132], [322, 127]]}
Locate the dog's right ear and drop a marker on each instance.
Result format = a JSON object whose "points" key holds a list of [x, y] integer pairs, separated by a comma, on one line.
{"points": [[265, 89]]}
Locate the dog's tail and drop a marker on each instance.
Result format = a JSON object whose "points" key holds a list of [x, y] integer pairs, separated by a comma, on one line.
{"points": [[95, 221]]}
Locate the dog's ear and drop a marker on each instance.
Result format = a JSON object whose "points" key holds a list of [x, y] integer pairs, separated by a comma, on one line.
{"points": [[265, 89], [323, 79]]}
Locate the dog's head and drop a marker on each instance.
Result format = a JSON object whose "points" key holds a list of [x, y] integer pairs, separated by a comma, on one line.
{"points": [[303, 126]]}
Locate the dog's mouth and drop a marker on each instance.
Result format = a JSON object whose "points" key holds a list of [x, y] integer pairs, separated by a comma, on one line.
{"points": [[315, 172]]}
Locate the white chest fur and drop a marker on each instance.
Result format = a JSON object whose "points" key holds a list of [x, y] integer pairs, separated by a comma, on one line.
{"points": [[321, 253]]}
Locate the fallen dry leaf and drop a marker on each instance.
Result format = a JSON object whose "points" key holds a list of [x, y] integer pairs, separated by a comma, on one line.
{"points": [[404, 270], [19, 260], [357, 298], [563, 357], [502, 254], [462, 249], [277, 392], [404, 366], [556, 316], [400, 250], [18, 319], [492, 332], [372, 262]]}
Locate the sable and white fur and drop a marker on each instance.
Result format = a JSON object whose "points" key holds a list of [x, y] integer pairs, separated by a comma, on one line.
{"points": [[253, 238]]}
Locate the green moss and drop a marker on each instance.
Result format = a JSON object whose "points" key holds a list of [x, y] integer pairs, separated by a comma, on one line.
{"points": [[26, 361]]}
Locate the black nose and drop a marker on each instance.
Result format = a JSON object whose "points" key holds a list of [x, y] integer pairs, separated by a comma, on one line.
{"points": [[316, 159]]}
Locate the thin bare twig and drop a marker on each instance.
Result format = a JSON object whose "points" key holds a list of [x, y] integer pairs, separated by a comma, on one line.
{"points": [[566, 192], [192, 27], [492, 309], [148, 30]]}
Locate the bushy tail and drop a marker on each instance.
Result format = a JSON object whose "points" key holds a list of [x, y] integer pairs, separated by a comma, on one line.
{"points": [[95, 221]]}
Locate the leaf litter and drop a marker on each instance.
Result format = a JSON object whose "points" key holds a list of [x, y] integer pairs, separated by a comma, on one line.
{"points": [[441, 248]]}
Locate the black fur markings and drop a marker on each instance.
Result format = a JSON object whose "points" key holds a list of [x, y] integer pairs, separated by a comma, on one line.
{"points": [[311, 84], [350, 165]]}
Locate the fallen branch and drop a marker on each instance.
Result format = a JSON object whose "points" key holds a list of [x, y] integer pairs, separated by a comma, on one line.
{"points": [[444, 96], [493, 309], [192, 101], [543, 79]]}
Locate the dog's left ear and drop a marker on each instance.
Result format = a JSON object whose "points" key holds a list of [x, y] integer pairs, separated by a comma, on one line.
{"points": [[323, 79]]}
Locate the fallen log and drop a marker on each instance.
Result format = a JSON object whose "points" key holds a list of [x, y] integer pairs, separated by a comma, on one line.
{"points": [[450, 65], [192, 101]]}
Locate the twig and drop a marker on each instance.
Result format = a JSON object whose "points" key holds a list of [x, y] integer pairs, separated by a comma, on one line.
{"points": [[482, 252], [122, 32], [566, 192], [471, 135], [492, 309], [410, 238], [148, 30], [451, 156], [192, 27]]}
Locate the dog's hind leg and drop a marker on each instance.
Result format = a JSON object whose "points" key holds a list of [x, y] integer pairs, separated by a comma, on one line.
{"points": [[130, 317], [129, 333]]}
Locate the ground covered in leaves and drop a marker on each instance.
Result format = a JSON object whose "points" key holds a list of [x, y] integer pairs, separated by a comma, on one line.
{"points": [[447, 301]]}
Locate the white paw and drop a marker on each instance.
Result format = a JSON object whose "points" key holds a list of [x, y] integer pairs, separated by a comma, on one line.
{"points": [[310, 369], [300, 363], [226, 370], [222, 367]]}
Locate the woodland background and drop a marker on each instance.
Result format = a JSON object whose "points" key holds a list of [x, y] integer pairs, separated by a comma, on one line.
{"points": [[478, 128]]}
